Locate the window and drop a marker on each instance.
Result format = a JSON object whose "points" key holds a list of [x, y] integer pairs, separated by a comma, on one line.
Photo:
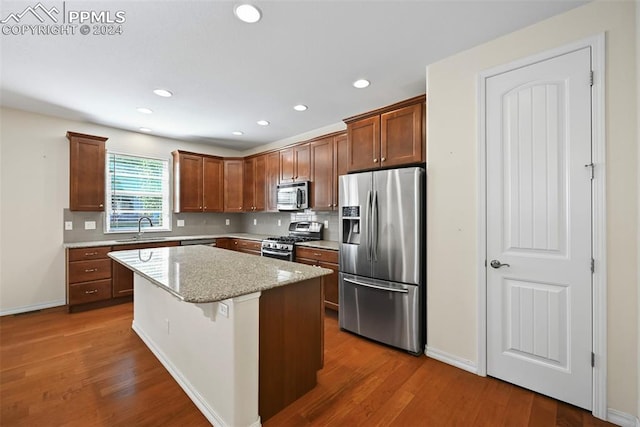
{"points": [[136, 187]]}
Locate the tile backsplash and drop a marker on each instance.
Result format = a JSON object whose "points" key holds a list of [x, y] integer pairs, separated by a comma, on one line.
{"points": [[203, 224]]}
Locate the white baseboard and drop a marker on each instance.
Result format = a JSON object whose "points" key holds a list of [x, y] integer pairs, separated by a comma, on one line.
{"points": [[450, 359], [34, 307], [622, 418]]}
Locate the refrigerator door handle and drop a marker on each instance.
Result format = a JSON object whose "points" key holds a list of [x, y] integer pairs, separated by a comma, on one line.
{"points": [[368, 230], [374, 227], [382, 288]]}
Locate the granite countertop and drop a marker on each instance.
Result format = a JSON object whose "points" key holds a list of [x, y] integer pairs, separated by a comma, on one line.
{"points": [[320, 244], [202, 274], [151, 239]]}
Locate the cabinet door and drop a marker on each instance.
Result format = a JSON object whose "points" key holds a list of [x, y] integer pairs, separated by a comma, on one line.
{"points": [[224, 243], [340, 154], [272, 180], [260, 182], [363, 144], [401, 136], [248, 193], [287, 171], [86, 173], [322, 176], [330, 286], [233, 185], [188, 172], [302, 162], [213, 178]]}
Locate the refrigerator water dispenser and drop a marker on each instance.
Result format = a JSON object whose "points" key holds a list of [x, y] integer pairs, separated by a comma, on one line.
{"points": [[351, 225]]}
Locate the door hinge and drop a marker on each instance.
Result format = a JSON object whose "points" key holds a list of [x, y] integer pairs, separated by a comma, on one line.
{"points": [[593, 359], [593, 167], [591, 78], [593, 265]]}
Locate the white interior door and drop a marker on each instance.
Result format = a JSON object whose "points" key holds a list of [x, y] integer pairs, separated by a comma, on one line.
{"points": [[539, 315]]}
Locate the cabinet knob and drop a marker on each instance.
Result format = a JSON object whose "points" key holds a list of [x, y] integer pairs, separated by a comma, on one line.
{"points": [[330, 206], [101, 205], [383, 159], [375, 160]]}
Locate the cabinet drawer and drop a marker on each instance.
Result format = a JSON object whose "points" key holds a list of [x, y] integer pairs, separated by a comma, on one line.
{"points": [[85, 271], [247, 244], [97, 290], [84, 254], [317, 254]]}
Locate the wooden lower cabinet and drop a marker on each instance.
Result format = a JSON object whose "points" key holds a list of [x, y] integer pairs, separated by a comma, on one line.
{"points": [[88, 275], [223, 243], [122, 277], [326, 259], [94, 280], [246, 246]]}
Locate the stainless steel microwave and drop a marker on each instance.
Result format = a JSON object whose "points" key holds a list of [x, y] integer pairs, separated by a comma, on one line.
{"points": [[293, 196]]}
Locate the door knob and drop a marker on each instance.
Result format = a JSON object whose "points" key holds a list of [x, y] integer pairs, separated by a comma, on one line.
{"points": [[497, 264]]}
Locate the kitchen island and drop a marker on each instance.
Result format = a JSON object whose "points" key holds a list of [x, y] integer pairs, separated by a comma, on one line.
{"points": [[241, 334]]}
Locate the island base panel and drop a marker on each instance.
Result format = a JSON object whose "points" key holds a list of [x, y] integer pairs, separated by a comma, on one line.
{"points": [[291, 344]]}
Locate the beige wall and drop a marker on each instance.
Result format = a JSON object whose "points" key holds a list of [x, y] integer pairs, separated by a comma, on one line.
{"points": [[34, 190], [452, 231]]}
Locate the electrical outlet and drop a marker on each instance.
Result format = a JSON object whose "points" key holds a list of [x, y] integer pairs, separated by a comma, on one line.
{"points": [[279, 223], [89, 225], [255, 221], [68, 225], [180, 223], [326, 224], [223, 309], [227, 221]]}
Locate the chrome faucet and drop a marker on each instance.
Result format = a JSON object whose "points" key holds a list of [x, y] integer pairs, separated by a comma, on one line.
{"points": [[140, 232]]}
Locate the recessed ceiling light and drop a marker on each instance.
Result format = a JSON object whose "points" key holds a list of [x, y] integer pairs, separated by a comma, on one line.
{"points": [[145, 130], [144, 110], [163, 92], [247, 13], [361, 83], [263, 122], [237, 132], [300, 107]]}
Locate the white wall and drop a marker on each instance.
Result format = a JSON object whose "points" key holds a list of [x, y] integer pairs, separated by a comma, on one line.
{"points": [[451, 188], [34, 190]]}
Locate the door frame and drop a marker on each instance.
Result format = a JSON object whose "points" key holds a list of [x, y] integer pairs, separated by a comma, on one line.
{"points": [[599, 277]]}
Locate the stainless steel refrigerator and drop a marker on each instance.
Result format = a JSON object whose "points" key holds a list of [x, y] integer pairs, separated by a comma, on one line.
{"points": [[381, 286]]}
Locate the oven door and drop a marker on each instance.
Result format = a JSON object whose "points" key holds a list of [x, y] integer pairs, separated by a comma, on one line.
{"points": [[271, 253]]}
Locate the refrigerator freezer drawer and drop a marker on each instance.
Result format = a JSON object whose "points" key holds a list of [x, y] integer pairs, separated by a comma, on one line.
{"points": [[382, 311]]}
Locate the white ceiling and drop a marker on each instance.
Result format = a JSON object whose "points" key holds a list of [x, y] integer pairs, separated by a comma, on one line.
{"points": [[226, 74]]}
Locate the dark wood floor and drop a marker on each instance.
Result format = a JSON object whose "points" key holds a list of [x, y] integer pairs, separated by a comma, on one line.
{"points": [[90, 368]]}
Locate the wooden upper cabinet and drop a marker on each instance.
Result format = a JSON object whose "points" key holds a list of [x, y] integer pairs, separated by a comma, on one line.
{"points": [[390, 136], [295, 163], [187, 175], [401, 136], [87, 172], [363, 144], [302, 162], [322, 174], [272, 176], [340, 163], [212, 184], [254, 183], [328, 162], [233, 185], [198, 181]]}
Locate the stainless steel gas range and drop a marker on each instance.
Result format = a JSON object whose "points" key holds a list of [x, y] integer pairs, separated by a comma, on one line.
{"points": [[282, 247]]}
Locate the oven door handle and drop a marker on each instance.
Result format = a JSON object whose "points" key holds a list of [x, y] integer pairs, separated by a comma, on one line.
{"points": [[382, 288], [280, 254]]}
